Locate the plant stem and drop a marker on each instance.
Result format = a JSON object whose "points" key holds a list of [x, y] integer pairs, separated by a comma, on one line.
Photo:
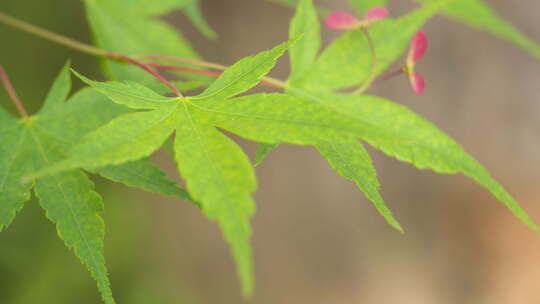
{"points": [[269, 82], [91, 50], [389, 76], [166, 67], [12, 93], [45, 34], [82, 47], [149, 69], [373, 71], [202, 63]]}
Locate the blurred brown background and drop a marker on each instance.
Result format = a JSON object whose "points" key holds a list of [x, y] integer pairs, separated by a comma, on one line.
{"points": [[316, 238]]}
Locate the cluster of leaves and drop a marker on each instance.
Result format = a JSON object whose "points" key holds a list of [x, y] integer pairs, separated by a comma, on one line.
{"points": [[113, 127]]}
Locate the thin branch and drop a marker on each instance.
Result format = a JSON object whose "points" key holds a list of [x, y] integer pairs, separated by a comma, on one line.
{"points": [[12, 93], [166, 67], [388, 76], [196, 62], [45, 34], [150, 70], [266, 81], [79, 46], [91, 50]]}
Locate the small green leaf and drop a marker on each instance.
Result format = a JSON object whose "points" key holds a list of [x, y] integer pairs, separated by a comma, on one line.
{"points": [[144, 175], [478, 14], [127, 138], [365, 5], [262, 152], [220, 176], [351, 160], [244, 74], [59, 91], [304, 52]]}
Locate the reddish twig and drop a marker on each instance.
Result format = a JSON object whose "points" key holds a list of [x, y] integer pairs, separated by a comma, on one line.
{"points": [[388, 76], [167, 67], [12, 93], [147, 68], [196, 62]]}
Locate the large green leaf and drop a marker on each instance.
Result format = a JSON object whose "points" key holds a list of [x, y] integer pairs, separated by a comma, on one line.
{"points": [[401, 133], [478, 14], [68, 197], [136, 135], [144, 175]]}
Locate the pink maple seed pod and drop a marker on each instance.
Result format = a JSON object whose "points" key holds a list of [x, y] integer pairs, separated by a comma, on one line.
{"points": [[419, 45], [342, 21], [376, 14], [417, 82]]}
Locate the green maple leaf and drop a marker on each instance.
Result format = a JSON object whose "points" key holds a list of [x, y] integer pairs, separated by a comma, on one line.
{"points": [[217, 172], [347, 157], [389, 127], [68, 198]]}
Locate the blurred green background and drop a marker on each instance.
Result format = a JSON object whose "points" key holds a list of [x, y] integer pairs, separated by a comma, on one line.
{"points": [[316, 238]]}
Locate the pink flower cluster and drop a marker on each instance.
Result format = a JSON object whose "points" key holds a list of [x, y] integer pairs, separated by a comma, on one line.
{"points": [[417, 49]]}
